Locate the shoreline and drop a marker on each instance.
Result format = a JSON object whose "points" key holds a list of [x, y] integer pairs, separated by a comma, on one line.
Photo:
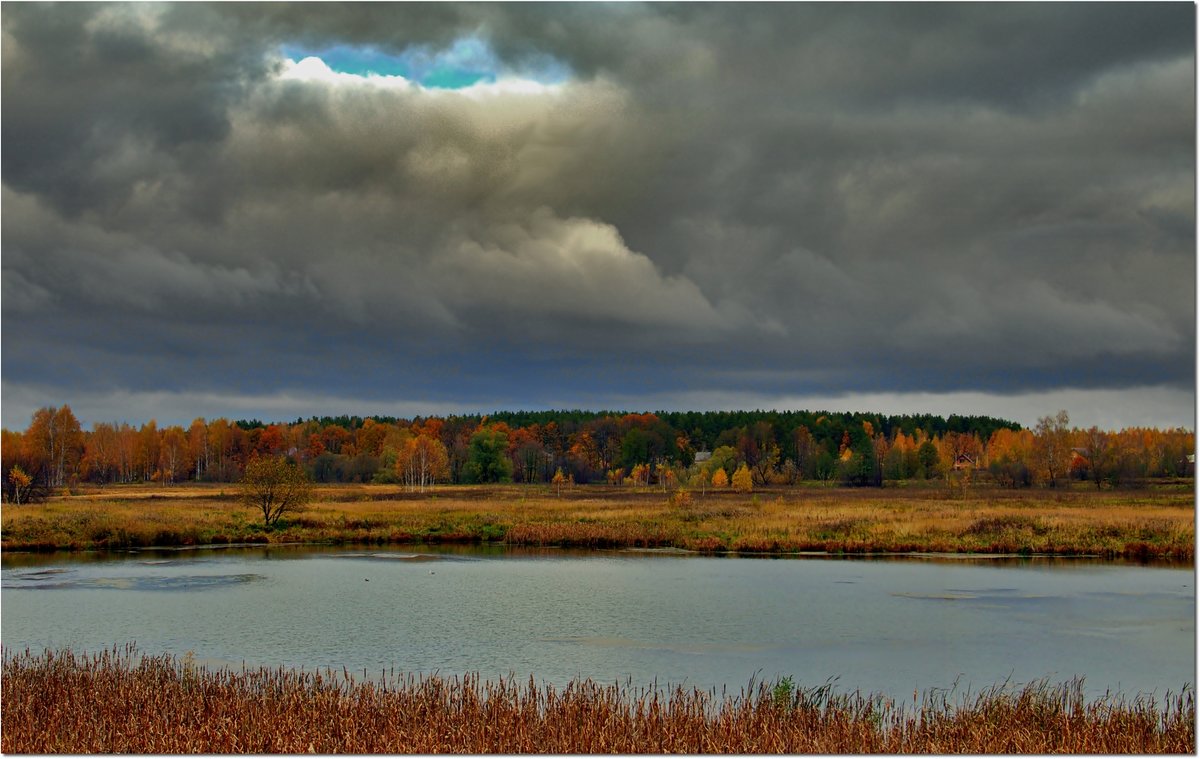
{"points": [[1136, 525]]}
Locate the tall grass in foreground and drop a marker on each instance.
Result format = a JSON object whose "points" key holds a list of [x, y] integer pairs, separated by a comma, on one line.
{"points": [[119, 701]]}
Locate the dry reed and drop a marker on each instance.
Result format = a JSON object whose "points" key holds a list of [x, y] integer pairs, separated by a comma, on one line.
{"points": [[120, 701]]}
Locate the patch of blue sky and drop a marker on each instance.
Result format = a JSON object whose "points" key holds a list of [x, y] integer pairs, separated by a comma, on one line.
{"points": [[466, 62]]}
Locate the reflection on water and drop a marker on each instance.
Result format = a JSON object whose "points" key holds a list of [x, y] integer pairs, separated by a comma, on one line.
{"points": [[63, 580], [388, 556], [888, 626]]}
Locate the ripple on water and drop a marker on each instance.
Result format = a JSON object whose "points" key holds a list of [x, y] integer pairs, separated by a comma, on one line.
{"points": [[149, 583], [413, 557]]}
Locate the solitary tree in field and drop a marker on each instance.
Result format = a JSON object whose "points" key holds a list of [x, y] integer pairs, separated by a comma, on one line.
{"points": [[275, 486], [19, 484]]}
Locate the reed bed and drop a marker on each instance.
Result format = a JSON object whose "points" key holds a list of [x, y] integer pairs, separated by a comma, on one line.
{"points": [[119, 701], [1141, 525]]}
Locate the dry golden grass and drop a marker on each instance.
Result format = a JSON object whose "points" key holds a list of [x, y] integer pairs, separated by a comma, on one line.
{"points": [[1140, 524], [118, 702]]}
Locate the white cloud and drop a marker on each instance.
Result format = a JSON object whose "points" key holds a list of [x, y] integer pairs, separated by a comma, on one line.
{"points": [[313, 69], [568, 268]]}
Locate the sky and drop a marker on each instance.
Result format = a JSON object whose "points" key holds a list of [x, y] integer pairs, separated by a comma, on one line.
{"points": [[282, 210]]}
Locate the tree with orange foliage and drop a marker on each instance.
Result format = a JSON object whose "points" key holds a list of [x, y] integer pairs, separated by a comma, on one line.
{"points": [[172, 454], [55, 436], [19, 484], [370, 436], [720, 479], [99, 462], [1010, 457], [527, 453], [197, 436], [422, 462], [270, 441]]}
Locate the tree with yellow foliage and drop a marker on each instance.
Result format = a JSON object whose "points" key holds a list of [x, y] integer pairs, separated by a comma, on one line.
{"points": [[743, 481], [19, 483]]}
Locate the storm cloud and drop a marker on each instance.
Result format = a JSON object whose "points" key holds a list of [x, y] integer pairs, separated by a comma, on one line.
{"points": [[705, 206]]}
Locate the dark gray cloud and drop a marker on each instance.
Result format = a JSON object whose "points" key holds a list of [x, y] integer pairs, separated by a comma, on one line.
{"points": [[776, 201]]}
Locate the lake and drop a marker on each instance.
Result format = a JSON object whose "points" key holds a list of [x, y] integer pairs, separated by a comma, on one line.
{"points": [[884, 626]]}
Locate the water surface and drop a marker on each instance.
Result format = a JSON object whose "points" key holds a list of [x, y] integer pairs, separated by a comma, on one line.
{"points": [[890, 626]]}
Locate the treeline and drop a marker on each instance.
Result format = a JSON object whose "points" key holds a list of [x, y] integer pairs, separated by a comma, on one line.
{"points": [[695, 449]]}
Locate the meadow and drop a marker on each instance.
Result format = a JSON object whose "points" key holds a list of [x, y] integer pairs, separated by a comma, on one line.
{"points": [[120, 701], [1142, 524]]}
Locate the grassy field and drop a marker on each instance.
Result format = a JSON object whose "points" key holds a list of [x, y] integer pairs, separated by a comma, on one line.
{"points": [[120, 702], [1148, 524]]}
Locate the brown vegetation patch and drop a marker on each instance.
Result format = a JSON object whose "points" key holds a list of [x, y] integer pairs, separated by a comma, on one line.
{"points": [[1142, 525], [119, 702]]}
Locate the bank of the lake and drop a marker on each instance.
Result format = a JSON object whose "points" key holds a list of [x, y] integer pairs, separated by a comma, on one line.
{"points": [[1149, 524]]}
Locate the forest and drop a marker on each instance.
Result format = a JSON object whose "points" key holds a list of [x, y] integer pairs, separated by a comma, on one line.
{"points": [[694, 450]]}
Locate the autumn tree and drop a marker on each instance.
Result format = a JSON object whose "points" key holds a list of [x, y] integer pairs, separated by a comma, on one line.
{"points": [[422, 462], [146, 451], [55, 436], [173, 454], [99, 462], [1053, 445], [275, 486], [724, 458], [369, 438], [743, 480], [962, 450], [1098, 448], [720, 479], [1010, 457], [900, 461], [24, 473], [666, 477], [527, 453], [19, 484]]}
